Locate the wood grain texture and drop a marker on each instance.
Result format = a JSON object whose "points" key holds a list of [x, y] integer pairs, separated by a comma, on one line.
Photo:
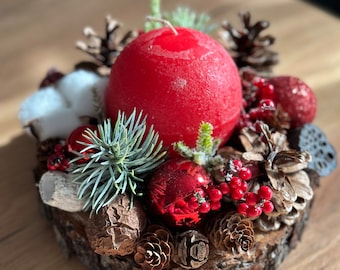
{"points": [[38, 34]]}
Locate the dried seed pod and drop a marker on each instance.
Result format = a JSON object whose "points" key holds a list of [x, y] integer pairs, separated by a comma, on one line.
{"points": [[312, 139], [155, 249], [231, 232], [116, 228], [192, 249]]}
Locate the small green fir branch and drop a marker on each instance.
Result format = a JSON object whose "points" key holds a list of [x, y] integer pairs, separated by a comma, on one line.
{"points": [[155, 7], [185, 17], [120, 156], [204, 153]]}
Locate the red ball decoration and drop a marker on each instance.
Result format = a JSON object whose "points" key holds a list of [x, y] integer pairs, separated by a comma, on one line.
{"points": [[296, 98], [178, 80], [75, 141], [171, 188]]}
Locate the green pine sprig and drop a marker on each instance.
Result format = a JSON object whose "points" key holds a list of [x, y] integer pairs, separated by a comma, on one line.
{"points": [[205, 152], [185, 17], [182, 16], [120, 155]]}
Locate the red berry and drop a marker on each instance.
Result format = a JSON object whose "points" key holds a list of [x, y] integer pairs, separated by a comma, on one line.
{"points": [[57, 161], [296, 98], [77, 136], [242, 208], [204, 208], [224, 187], [237, 164], [251, 198], [254, 211], [215, 205], [192, 203], [199, 192], [265, 193], [235, 182], [267, 91], [245, 174], [237, 194], [267, 207], [169, 69], [215, 195], [244, 186], [255, 114], [267, 104], [259, 82]]}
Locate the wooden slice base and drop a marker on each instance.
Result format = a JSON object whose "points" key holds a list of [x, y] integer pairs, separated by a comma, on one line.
{"points": [[271, 250]]}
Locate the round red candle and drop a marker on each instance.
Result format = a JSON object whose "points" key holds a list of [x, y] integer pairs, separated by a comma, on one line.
{"points": [[178, 80]]}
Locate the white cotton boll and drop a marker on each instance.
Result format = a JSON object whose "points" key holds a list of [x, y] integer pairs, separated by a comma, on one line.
{"points": [[41, 103], [58, 124], [77, 88]]}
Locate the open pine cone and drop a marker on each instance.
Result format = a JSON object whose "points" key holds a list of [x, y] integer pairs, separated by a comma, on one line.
{"points": [[284, 171], [155, 249], [231, 232], [248, 48], [192, 249]]}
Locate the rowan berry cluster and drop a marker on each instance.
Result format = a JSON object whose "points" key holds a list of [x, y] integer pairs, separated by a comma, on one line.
{"points": [[261, 107]]}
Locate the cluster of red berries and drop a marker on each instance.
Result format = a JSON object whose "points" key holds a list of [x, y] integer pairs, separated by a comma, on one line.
{"points": [[262, 107], [250, 204], [255, 203], [209, 199], [58, 160]]}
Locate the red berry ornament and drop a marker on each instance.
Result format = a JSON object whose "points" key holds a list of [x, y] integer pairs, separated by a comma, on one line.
{"points": [[265, 193], [178, 80], [296, 98], [76, 139], [171, 190]]}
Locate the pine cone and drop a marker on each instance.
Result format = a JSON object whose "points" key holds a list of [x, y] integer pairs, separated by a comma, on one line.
{"points": [[248, 48], [285, 173], [104, 49], [155, 249], [192, 249], [231, 232], [115, 230]]}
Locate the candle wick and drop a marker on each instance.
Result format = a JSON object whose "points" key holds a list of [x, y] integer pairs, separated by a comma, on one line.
{"points": [[164, 22]]}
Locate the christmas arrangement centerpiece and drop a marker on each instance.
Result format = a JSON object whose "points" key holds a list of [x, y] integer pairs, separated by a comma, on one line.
{"points": [[175, 150]]}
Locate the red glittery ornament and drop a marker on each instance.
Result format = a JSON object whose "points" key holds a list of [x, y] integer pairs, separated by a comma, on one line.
{"points": [[171, 189], [296, 98]]}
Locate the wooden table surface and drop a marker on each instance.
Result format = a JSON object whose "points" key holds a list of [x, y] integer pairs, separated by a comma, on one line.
{"points": [[38, 34]]}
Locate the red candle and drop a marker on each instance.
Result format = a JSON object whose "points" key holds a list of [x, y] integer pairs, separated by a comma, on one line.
{"points": [[178, 80]]}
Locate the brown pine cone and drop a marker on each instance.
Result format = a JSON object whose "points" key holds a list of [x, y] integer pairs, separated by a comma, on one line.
{"points": [[155, 249], [231, 232], [248, 48], [192, 249]]}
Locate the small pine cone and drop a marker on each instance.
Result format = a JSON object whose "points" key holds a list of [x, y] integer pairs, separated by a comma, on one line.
{"points": [[155, 249], [192, 249], [248, 48], [231, 232]]}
